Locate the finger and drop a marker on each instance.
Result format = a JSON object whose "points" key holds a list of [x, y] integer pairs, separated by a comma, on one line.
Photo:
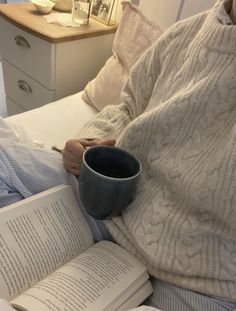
{"points": [[108, 142], [74, 147], [74, 171], [68, 162], [69, 156], [86, 142], [72, 167], [97, 141]]}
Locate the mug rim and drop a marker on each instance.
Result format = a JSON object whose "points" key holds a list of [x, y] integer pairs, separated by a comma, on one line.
{"points": [[109, 177]]}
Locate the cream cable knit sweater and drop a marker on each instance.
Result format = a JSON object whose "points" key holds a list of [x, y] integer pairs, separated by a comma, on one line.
{"points": [[179, 115]]}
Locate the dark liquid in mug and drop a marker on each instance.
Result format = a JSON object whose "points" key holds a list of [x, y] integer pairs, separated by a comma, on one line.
{"points": [[114, 164], [113, 171]]}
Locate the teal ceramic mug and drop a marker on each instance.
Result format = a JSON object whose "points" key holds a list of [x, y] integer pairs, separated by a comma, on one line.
{"points": [[108, 180]]}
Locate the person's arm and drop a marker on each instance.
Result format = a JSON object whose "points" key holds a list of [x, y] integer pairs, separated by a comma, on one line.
{"points": [[112, 120]]}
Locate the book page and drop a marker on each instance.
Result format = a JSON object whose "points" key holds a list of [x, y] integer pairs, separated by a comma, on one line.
{"points": [[101, 278], [137, 297], [38, 235]]}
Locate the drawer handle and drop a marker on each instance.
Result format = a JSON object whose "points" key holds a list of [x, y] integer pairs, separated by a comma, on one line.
{"points": [[24, 86], [21, 41]]}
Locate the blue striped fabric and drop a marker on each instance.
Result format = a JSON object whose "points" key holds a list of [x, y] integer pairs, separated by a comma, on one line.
{"points": [[168, 297], [25, 171]]}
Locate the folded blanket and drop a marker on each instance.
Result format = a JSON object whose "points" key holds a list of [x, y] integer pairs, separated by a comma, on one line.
{"points": [[18, 134]]}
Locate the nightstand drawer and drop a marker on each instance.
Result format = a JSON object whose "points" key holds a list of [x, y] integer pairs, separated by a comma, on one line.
{"points": [[13, 108], [27, 52], [22, 89]]}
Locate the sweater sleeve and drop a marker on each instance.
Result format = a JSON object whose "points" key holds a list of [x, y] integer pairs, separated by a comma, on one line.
{"points": [[112, 120]]}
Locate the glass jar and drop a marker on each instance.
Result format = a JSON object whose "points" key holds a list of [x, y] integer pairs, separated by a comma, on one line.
{"points": [[81, 11]]}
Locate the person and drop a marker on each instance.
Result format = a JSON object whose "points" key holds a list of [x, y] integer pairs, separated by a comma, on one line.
{"points": [[178, 116]]}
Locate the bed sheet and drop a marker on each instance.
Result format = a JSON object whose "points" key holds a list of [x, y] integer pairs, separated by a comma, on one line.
{"points": [[52, 124]]}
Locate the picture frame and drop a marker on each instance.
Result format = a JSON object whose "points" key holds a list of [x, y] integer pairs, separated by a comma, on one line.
{"points": [[102, 11]]}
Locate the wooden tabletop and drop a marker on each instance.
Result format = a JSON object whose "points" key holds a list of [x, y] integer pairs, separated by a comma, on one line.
{"points": [[26, 17]]}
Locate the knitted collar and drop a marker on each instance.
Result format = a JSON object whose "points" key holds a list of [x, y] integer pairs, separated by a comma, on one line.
{"points": [[223, 11], [215, 35]]}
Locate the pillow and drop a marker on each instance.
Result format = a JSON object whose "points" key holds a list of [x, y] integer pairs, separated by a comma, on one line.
{"points": [[134, 35]]}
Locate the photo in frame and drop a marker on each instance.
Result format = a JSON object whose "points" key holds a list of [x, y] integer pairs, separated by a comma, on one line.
{"points": [[102, 10]]}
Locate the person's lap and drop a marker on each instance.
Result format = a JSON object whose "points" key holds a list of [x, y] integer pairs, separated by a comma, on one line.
{"points": [[25, 171], [169, 297]]}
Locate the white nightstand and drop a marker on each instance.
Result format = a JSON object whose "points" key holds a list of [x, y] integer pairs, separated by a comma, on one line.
{"points": [[43, 62]]}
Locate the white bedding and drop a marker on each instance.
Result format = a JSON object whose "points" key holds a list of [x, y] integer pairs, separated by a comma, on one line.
{"points": [[52, 124]]}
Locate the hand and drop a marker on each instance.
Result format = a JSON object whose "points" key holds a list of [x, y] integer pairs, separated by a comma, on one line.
{"points": [[74, 149]]}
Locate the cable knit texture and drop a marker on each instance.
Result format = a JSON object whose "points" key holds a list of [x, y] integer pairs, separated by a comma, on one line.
{"points": [[178, 116]]}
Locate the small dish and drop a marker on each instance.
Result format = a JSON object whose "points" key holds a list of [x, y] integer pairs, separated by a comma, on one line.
{"points": [[43, 6]]}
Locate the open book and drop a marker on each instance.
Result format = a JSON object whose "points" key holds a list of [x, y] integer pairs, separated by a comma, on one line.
{"points": [[49, 262]]}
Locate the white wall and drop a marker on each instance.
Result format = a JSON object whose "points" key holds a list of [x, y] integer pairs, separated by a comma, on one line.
{"points": [[191, 7], [3, 109], [164, 12]]}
